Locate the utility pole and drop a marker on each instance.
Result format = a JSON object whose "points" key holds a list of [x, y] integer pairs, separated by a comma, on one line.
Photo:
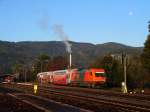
{"points": [[25, 75], [125, 73], [41, 66], [124, 85]]}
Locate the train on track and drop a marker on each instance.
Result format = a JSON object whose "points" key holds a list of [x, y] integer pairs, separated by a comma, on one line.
{"points": [[74, 77]]}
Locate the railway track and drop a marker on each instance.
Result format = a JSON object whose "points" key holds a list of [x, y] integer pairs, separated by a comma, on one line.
{"points": [[47, 105], [124, 105], [37, 103], [96, 102], [141, 96], [36, 107]]}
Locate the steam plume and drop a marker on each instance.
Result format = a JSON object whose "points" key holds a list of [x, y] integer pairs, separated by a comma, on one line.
{"points": [[58, 29]]}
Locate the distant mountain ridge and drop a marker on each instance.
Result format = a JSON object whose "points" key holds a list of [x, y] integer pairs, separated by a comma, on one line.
{"points": [[83, 53]]}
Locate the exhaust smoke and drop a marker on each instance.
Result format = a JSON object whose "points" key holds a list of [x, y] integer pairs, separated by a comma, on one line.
{"points": [[58, 29]]}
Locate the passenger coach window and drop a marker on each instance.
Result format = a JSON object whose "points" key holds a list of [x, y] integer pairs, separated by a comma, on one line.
{"points": [[98, 74], [60, 73]]}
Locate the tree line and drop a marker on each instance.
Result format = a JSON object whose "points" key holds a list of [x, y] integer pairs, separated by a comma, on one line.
{"points": [[42, 63]]}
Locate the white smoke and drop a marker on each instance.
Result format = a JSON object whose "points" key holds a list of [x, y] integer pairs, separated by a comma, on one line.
{"points": [[58, 29]]}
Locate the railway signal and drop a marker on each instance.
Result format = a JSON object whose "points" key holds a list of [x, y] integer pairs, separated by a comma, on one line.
{"points": [[35, 88]]}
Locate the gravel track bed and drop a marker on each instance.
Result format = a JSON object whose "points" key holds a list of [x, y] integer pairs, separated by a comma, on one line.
{"points": [[9, 104]]}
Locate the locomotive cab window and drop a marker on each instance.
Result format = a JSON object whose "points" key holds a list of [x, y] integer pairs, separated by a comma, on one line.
{"points": [[99, 74]]}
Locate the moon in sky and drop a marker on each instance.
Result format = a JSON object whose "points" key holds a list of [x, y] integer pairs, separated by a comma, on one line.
{"points": [[130, 13]]}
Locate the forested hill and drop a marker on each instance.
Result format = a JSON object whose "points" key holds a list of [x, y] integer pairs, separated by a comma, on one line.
{"points": [[83, 53]]}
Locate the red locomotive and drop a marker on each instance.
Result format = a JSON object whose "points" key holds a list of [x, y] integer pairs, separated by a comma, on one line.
{"points": [[74, 77]]}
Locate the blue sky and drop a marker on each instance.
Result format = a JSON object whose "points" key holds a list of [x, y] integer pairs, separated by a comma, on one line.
{"points": [[93, 21]]}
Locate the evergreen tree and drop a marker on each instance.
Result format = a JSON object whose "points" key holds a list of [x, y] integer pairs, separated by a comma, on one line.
{"points": [[112, 68], [146, 53]]}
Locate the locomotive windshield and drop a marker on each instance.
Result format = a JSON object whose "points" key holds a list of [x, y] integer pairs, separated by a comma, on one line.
{"points": [[99, 74]]}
